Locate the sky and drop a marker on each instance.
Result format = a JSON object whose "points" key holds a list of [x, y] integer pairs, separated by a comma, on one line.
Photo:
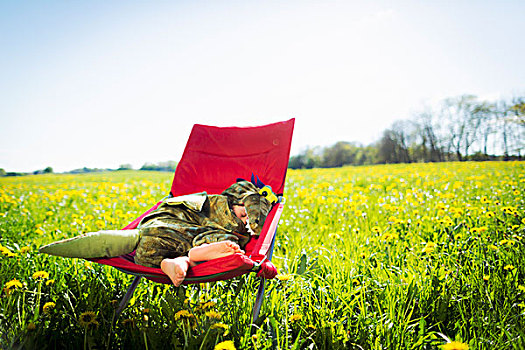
{"points": [[104, 83]]}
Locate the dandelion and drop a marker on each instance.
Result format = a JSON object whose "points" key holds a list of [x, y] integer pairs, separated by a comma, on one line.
{"points": [[493, 247], [13, 284], [295, 318], [220, 325], [455, 345], [40, 275], [521, 288], [390, 236], [24, 250], [225, 345], [88, 265], [87, 319], [49, 213], [213, 314], [375, 229], [184, 314], [486, 277], [48, 307], [508, 267], [208, 305], [7, 252], [100, 224], [50, 282], [489, 214], [429, 247], [284, 277]]}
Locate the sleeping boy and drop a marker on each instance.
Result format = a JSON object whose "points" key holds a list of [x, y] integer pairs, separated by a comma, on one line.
{"points": [[181, 232]]}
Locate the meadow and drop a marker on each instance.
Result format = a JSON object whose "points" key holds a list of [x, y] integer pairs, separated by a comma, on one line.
{"points": [[419, 256]]}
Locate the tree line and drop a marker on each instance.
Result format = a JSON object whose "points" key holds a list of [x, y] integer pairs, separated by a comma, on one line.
{"points": [[457, 129]]}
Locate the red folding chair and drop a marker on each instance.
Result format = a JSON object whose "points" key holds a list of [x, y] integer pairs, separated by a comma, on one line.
{"points": [[213, 159]]}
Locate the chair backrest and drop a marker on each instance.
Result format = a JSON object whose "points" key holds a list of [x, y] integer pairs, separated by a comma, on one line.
{"points": [[215, 157]]}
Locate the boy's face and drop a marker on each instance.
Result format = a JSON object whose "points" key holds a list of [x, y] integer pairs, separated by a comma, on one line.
{"points": [[240, 212]]}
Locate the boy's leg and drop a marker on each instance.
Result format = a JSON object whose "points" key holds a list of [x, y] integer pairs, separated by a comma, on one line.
{"points": [[213, 251], [176, 268]]}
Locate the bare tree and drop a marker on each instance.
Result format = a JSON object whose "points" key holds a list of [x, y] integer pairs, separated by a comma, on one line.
{"points": [[427, 130], [462, 124]]}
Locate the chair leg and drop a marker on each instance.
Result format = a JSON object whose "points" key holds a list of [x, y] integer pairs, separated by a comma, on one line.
{"points": [[125, 300], [258, 300], [260, 291]]}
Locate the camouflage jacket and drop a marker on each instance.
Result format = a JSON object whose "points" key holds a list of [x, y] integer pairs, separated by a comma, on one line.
{"points": [[182, 223]]}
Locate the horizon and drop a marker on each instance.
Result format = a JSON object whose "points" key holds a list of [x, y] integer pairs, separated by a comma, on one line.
{"points": [[87, 83]]}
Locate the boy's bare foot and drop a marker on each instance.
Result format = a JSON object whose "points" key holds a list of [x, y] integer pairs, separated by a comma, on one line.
{"points": [[214, 250], [176, 269]]}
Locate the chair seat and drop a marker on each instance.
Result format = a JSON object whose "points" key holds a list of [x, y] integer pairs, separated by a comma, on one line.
{"points": [[214, 270]]}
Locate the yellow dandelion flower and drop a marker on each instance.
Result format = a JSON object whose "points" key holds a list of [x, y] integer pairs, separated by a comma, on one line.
{"points": [[455, 345], [429, 247], [31, 326], [183, 314], [311, 327], [50, 282], [13, 284], [40, 275], [516, 192], [486, 277], [39, 231], [225, 345], [220, 325], [24, 250], [508, 267], [375, 229], [489, 214], [295, 318], [213, 314], [48, 307], [522, 288], [88, 265], [493, 247], [100, 224], [87, 319], [208, 305], [284, 277], [49, 213]]}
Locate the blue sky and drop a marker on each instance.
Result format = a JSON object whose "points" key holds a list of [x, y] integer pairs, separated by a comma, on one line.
{"points": [[103, 83]]}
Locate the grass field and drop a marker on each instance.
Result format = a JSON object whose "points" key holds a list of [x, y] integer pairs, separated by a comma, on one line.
{"points": [[421, 256]]}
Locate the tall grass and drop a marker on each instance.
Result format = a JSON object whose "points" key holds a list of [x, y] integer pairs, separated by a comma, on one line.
{"points": [[381, 257]]}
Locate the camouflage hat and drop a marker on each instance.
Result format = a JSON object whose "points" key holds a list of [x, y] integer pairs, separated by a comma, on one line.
{"points": [[257, 206]]}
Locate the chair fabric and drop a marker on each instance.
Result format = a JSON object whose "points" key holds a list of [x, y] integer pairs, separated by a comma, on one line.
{"points": [[213, 159]]}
